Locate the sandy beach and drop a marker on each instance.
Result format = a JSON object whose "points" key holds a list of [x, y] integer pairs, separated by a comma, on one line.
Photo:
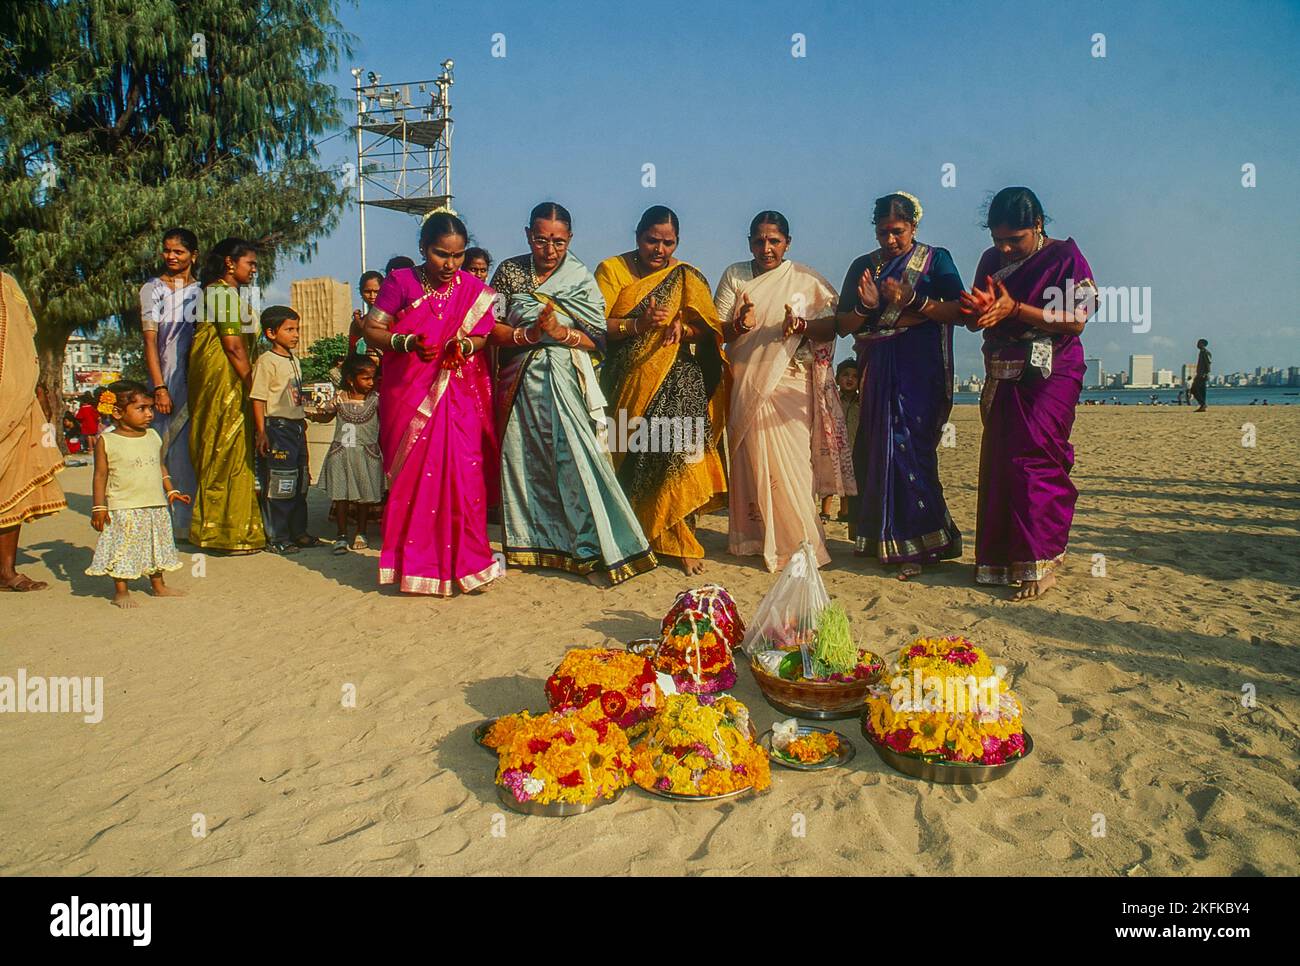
{"points": [[227, 704]]}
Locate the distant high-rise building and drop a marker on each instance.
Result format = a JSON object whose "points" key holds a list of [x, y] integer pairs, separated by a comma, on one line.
{"points": [[1189, 373], [1095, 377], [1140, 371], [325, 307], [1293, 376], [1164, 378]]}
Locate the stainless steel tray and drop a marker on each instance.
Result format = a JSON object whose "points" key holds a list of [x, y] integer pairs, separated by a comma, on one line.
{"points": [[842, 757]]}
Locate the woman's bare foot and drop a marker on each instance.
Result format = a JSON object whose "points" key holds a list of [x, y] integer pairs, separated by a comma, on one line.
{"points": [[691, 566], [600, 579], [159, 589], [1033, 589], [907, 571], [122, 598]]}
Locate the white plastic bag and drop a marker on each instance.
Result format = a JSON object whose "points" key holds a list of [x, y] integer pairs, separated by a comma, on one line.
{"points": [[787, 615]]}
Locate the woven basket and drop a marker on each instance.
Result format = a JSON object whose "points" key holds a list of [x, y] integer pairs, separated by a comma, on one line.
{"points": [[817, 698]]}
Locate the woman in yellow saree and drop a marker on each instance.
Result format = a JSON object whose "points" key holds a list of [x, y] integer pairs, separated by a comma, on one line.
{"points": [[667, 383], [226, 513]]}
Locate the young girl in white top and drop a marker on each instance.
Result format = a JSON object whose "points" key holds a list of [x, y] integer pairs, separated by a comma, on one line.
{"points": [[132, 493]]}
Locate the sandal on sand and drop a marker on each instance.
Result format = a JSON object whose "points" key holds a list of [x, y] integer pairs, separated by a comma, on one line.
{"points": [[22, 584], [307, 540], [284, 549], [339, 547], [359, 543]]}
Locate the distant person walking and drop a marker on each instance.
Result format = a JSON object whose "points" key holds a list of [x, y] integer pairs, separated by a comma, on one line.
{"points": [[1202, 374]]}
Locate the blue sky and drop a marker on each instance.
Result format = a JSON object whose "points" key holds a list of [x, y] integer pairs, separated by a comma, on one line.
{"points": [[1138, 156]]}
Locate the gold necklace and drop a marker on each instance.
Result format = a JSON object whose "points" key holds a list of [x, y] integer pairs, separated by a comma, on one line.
{"points": [[429, 288]]}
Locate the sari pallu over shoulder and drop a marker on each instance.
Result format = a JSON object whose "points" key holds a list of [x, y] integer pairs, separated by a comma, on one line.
{"points": [[906, 393], [562, 505], [644, 378], [437, 440], [1026, 497], [776, 422]]}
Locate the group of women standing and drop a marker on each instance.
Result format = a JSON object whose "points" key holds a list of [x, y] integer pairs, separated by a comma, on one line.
{"points": [[490, 394]]}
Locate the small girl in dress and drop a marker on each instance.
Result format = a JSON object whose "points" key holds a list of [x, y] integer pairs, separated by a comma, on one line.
{"points": [[353, 473], [132, 493]]}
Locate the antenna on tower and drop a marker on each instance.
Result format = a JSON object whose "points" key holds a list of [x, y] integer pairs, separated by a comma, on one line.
{"points": [[403, 145]]}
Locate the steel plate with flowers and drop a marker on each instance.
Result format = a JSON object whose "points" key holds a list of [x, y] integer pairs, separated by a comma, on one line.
{"points": [[806, 747]]}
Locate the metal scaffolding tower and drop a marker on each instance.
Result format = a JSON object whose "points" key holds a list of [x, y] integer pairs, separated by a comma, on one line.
{"points": [[403, 145]]}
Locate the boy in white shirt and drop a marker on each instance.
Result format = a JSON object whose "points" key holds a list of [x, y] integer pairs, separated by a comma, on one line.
{"points": [[281, 426]]}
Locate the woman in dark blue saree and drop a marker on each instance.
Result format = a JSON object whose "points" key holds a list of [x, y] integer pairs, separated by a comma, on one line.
{"points": [[902, 300]]}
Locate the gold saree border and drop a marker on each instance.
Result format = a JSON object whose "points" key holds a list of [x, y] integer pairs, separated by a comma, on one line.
{"points": [[433, 587], [617, 572], [1018, 571]]}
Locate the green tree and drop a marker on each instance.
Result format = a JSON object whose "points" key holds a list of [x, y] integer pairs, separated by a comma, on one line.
{"points": [[321, 355], [121, 118], [127, 345]]}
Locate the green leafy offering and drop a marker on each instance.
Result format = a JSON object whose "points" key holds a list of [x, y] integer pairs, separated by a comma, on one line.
{"points": [[791, 666], [836, 653]]}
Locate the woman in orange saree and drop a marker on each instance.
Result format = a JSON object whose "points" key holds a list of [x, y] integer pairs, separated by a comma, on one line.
{"points": [[28, 457], [667, 383]]}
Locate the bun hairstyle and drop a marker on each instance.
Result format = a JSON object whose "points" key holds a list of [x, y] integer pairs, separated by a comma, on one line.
{"points": [[440, 223], [658, 215], [1014, 208], [550, 211], [898, 205], [774, 218], [186, 237], [398, 261], [214, 265]]}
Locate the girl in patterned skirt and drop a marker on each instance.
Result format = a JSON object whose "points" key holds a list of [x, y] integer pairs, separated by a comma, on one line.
{"points": [[353, 474], [132, 495]]}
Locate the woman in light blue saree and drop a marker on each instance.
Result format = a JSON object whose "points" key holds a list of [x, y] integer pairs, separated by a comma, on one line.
{"points": [[561, 504]]}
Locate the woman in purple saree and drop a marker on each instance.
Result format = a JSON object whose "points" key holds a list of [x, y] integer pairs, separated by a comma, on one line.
{"points": [[435, 418], [1038, 293], [902, 300]]}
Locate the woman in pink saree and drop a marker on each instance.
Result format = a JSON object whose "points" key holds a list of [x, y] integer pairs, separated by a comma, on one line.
{"points": [[435, 418]]}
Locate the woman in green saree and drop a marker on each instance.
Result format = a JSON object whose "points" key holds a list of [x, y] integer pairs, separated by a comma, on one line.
{"points": [[226, 513], [562, 505]]}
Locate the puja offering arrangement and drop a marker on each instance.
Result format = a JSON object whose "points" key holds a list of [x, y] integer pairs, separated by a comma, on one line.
{"points": [[699, 633], [573, 757], [805, 746], [801, 647], [946, 703], [620, 684], [700, 747]]}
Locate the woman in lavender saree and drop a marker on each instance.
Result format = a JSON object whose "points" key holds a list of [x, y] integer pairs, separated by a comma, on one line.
{"points": [[435, 418], [1038, 294], [902, 300]]}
